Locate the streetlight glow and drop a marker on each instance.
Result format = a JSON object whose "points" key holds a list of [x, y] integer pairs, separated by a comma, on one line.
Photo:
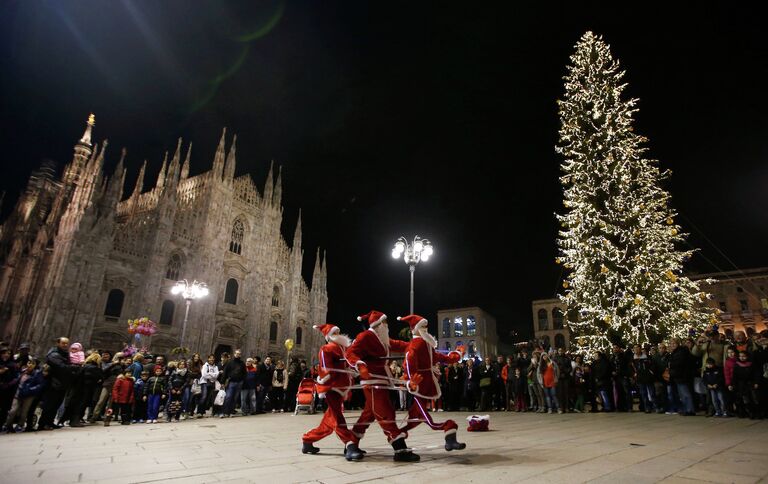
{"points": [[189, 292], [412, 253]]}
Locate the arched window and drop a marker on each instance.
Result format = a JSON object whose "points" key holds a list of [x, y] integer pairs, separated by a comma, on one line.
{"points": [[236, 240], [166, 312], [230, 293], [557, 318], [559, 340], [471, 349], [276, 296], [729, 333], [545, 342], [114, 306], [174, 268], [448, 345], [458, 326], [471, 326], [543, 320], [299, 332], [750, 331], [446, 328], [273, 332]]}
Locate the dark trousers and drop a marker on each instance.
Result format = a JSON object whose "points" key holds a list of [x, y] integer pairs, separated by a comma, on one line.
{"points": [[123, 410], [139, 410], [499, 395], [6, 401], [51, 403], [261, 394], [564, 392]]}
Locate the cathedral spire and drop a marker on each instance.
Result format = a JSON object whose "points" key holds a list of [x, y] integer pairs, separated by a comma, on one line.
{"points": [[269, 185], [140, 180], [86, 139], [229, 169], [316, 272], [218, 159], [297, 234], [161, 176], [172, 177], [185, 166], [277, 199], [115, 188]]}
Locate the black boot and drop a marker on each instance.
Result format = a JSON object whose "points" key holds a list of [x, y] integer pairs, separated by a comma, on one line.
{"points": [[352, 452], [308, 448], [402, 453], [452, 444]]}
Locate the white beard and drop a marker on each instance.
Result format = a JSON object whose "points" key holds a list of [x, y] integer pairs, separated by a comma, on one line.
{"points": [[424, 334], [340, 339], [382, 331]]}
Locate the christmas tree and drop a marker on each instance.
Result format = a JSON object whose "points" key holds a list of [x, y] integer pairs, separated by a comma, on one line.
{"points": [[618, 242]]}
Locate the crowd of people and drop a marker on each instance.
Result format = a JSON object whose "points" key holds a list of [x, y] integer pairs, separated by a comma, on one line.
{"points": [[71, 387]]}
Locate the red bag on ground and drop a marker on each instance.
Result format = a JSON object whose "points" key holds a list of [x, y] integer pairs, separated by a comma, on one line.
{"points": [[478, 423]]}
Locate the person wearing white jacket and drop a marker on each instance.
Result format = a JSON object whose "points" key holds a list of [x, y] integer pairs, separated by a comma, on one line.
{"points": [[209, 374]]}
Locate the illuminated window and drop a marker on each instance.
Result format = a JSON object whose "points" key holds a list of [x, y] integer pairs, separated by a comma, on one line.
{"points": [[458, 326], [471, 349], [471, 326]]}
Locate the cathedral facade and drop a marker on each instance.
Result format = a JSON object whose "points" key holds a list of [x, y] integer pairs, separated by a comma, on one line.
{"points": [[79, 259]]}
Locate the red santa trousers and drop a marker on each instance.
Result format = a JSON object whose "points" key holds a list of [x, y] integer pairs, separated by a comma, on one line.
{"points": [[333, 421], [418, 414], [378, 407]]}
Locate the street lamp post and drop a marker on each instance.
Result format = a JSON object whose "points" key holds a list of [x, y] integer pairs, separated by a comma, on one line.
{"points": [[189, 292], [412, 253]]}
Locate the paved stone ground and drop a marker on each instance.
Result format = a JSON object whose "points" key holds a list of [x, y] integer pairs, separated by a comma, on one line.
{"points": [[609, 448]]}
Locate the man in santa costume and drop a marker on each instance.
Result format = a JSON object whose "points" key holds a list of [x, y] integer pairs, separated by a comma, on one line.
{"points": [[369, 354], [333, 383], [420, 361]]}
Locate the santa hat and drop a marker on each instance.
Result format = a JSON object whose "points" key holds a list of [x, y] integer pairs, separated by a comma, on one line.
{"points": [[328, 330], [414, 321], [374, 318]]}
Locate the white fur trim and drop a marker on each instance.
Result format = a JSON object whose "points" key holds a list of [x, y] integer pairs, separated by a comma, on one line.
{"points": [[399, 318], [359, 318], [450, 431], [378, 321]]}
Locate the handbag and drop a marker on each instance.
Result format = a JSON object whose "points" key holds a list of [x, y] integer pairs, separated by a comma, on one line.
{"points": [[220, 397], [197, 389]]}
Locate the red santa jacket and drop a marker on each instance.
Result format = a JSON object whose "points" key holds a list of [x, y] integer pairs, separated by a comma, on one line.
{"points": [[368, 350], [333, 373], [421, 357], [122, 390]]}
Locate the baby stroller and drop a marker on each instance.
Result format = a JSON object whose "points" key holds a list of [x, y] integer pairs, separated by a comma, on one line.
{"points": [[305, 397]]}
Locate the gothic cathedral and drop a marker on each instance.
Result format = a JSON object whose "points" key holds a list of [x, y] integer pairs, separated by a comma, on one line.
{"points": [[78, 260]]}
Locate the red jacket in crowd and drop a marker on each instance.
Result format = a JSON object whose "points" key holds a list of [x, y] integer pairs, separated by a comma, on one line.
{"points": [[122, 391]]}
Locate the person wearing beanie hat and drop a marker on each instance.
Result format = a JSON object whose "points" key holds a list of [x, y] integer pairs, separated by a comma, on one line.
{"points": [[333, 384], [76, 354], [420, 360], [368, 355]]}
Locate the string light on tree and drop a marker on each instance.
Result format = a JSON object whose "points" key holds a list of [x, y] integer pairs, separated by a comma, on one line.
{"points": [[618, 236]]}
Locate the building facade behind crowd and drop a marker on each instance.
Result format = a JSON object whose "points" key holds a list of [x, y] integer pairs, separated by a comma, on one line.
{"points": [[81, 254], [740, 296], [471, 327]]}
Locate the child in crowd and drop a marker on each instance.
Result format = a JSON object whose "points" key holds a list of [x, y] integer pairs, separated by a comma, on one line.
{"points": [[154, 393], [730, 364], [519, 384], [122, 399], [713, 379], [743, 385], [76, 354], [139, 405], [178, 380], [31, 384]]}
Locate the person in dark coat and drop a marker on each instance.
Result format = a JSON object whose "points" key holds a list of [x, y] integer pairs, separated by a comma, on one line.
{"points": [[9, 380], [61, 375], [681, 374], [455, 385], [601, 375], [234, 375]]}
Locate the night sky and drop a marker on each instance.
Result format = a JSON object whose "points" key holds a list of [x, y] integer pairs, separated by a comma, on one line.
{"points": [[397, 119]]}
